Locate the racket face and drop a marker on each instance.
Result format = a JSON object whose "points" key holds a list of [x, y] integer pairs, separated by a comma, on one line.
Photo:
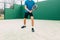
{"points": [[35, 7]]}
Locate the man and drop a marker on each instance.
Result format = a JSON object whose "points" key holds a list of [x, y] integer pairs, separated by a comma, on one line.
{"points": [[28, 11]]}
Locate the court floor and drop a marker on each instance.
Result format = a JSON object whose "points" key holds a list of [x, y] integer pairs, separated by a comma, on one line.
{"points": [[44, 30]]}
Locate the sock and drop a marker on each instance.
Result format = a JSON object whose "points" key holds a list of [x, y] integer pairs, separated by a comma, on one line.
{"points": [[32, 26], [24, 25]]}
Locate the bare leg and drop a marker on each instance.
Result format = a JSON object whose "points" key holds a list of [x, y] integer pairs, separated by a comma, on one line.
{"points": [[32, 19], [24, 21]]}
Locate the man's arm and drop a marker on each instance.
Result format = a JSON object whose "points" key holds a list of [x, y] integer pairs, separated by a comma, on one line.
{"points": [[28, 9]]}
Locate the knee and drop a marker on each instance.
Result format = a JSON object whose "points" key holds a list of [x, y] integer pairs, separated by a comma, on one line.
{"points": [[32, 18], [24, 18]]}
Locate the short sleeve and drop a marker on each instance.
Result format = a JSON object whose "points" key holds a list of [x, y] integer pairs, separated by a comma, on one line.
{"points": [[25, 2], [33, 3]]}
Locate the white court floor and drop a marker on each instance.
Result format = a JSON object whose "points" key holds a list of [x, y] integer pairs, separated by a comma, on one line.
{"points": [[44, 30]]}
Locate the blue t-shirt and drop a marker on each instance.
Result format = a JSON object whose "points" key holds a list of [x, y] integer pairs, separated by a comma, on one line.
{"points": [[29, 4]]}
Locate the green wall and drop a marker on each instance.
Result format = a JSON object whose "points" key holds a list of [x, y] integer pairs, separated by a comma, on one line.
{"points": [[15, 13], [49, 10]]}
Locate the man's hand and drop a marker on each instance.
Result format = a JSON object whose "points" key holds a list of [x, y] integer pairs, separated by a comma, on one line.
{"points": [[30, 11]]}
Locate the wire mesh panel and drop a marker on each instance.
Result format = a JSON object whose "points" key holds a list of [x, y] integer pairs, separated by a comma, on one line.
{"points": [[18, 2], [1, 1], [1, 5], [1, 9], [9, 3]]}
